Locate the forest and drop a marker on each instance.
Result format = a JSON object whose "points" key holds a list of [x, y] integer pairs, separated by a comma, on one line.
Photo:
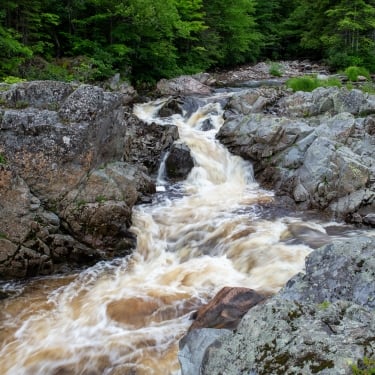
{"points": [[145, 40]]}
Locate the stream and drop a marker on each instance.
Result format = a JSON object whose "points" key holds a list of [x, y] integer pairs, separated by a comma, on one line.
{"points": [[217, 228]]}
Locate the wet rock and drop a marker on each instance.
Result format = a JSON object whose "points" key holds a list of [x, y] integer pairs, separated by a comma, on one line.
{"points": [[227, 308], [369, 219], [321, 322], [179, 162], [171, 107], [207, 125], [185, 85], [145, 143]]}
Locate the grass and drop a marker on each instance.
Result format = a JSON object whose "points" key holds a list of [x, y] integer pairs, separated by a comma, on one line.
{"points": [[310, 83], [3, 160], [12, 79], [276, 69], [353, 72], [100, 199]]}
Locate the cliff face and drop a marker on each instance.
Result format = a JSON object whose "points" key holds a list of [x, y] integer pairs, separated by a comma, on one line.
{"points": [[73, 162]]}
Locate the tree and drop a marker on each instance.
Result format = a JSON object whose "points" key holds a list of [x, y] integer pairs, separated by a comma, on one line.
{"points": [[231, 37]]}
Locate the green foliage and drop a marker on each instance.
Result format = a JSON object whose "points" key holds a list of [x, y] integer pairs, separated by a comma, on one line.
{"points": [[364, 367], [3, 160], [146, 40], [310, 83], [276, 69], [12, 79], [353, 72], [324, 305]]}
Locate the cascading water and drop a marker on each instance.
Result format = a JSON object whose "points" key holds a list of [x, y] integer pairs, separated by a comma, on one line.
{"points": [[126, 316]]}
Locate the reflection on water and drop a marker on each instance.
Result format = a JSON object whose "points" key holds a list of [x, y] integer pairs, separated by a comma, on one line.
{"points": [[126, 316]]}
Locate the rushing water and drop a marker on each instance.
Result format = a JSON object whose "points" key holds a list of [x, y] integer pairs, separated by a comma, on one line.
{"points": [[126, 316]]}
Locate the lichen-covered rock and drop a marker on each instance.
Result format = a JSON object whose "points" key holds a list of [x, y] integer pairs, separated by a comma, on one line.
{"points": [[322, 100], [322, 322], [288, 338]]}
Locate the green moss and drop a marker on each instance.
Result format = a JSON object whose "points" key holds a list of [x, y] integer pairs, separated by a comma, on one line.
{"points": [[12, 79], [80, 203], [324, 305], [365, 366], [100, 199], [21, 104]]}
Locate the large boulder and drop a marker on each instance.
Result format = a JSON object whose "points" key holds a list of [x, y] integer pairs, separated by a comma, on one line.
{"points": [[179, 162], [322, 322], [73, 162], [226, 309], [183, 85]]}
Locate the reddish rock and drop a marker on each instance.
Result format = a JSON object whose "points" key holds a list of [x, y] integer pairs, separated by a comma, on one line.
{"points": [[227, 308]]}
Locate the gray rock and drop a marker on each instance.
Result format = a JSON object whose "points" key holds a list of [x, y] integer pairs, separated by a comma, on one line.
{"points": [[339, 271], [324, 162], [287, 337], [179, 162], [370, 219], [185, 85], [38, 94], [192, 348]]}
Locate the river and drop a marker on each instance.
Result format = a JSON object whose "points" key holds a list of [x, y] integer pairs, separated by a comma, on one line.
{"points": [[217, 228]]}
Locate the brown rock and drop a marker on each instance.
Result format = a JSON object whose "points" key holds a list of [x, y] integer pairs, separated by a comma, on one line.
{"points": [[227, 308]]}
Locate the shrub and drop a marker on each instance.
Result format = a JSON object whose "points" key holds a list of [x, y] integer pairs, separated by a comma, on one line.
{"points": [[310, 83], [12, 79], [302, 83], [276, 70], [353, 72]]}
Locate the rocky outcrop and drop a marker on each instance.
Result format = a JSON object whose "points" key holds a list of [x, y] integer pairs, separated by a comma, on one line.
{"points": [[71, 169], [325, 161], [322, 322]]}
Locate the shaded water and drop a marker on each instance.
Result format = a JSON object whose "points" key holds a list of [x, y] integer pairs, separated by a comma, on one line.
{"points": [[126, 316]]}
